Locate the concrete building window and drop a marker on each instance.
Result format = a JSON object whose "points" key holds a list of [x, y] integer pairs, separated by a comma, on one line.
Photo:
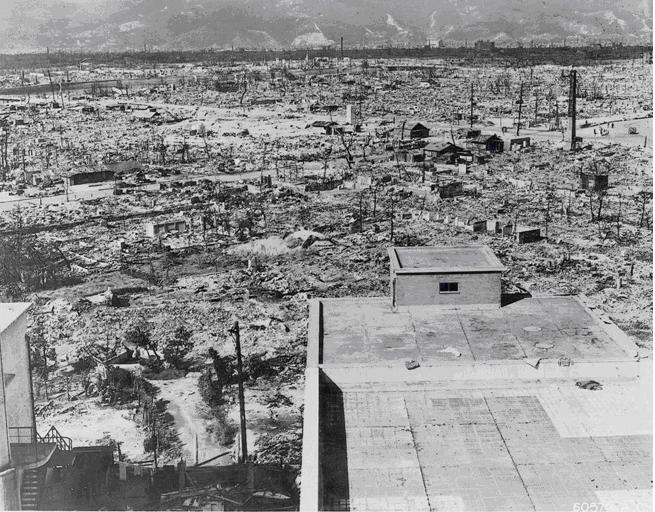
{"points": [[448, 287]]}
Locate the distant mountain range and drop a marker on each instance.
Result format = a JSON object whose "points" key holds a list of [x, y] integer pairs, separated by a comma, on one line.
{"points": [[30, 25]]}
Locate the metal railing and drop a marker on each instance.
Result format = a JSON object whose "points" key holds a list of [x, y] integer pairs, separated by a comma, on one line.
{"points": [[53, 436], [27, 435]]}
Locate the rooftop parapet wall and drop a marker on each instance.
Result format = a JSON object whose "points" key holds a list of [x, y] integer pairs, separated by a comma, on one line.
{"points": [[454, 259]]}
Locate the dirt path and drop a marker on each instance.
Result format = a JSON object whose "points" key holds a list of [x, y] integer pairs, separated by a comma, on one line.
{"points": [[185, 405]]}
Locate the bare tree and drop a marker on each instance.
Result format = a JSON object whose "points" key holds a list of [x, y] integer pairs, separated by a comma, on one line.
{"points": [[642, 199], [366, 143], [347, 145], [375, 187], [244, 88], [206, 145], [550, 195], [326, 157], [161, 148], [598, 191], [185, 150], [618, 218]]}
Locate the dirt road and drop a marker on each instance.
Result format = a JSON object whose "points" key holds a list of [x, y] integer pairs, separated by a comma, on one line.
{"points": [[186, 406]]}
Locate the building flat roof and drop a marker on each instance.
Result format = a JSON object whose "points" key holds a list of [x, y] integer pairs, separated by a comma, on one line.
{"points": [[517, 446], [469, 258], [10, 311], [370, 332], [492, 419]]}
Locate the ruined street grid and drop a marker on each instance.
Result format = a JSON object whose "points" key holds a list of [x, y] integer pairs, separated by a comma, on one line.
{"points": [[147, 208]]}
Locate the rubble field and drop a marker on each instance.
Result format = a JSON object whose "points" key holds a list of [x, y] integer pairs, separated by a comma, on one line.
{"points": [[144, 221]]}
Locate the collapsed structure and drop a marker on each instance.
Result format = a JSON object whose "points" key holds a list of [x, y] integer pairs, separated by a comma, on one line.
{"points": [[436, 401]]}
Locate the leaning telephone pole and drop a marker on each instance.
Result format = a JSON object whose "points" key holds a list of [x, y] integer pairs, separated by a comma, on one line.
{"points": [[518, 124], [242, 406], [573, 86]]}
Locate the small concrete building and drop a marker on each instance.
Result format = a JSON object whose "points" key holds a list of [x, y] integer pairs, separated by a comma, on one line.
{"points": [[594, 182], [478, 226], [527, 234], [408, 156], [444, 275], [452, 189], [411, 130], [494, 226], [467, 133], [86, 177], [155, 229], [442, 151], [491, 143], [519, 143], [149, 115]]}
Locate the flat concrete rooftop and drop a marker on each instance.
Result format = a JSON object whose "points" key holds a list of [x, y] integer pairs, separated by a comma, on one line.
{"points": [[10, 311], [470, 257], [492, 446], [369, 332], [492, 419]]}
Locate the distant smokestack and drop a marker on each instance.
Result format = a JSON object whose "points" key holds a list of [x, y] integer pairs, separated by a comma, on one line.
{"points": [[342, 47]]}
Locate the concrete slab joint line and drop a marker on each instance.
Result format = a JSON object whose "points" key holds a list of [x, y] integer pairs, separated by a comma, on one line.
{"points": [[518, 473], [420, 467]]}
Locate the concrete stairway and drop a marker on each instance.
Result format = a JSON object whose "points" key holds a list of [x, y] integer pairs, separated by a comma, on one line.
{"points": [[31, 489]]}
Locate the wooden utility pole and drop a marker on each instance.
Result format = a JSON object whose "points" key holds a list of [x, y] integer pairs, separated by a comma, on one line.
{"points": [[536, 105], [156, 434], [45, 371], [4, 149], [361, 214], [243, 457], [52, 87], [573, 85], [518, 124], [393, 204]]}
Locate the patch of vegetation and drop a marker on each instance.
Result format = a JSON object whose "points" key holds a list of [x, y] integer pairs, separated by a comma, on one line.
{"points": [[29, 264], [212, 393], [162, 435], [178, 347]]}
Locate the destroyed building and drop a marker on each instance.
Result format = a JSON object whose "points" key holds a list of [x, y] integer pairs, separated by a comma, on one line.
{"points": [[519, 143], [492, 143], [411, 130], [527, 234], [155, 229], [122, 166], [513, 402], [442, 151], [594, 182]]}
